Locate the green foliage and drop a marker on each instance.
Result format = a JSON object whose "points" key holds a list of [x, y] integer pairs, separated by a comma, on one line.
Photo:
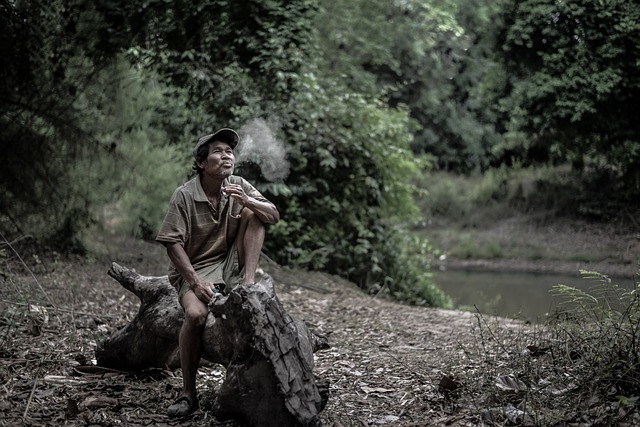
{"points": [[133, 117], [188, 68], [349, 160], [600, 335], [118, 155], [350, 169], [32, 117], [498, 193], [572, 83], [228, 55], [457, 197], [409, 277], [426, 56]]}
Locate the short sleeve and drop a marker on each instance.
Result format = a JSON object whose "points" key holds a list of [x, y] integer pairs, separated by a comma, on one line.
{"points": [[175, 227]]}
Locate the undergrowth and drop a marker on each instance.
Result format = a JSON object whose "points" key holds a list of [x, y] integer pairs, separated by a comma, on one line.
{"points": [[535, 213], [582, 366], [478, 199]]}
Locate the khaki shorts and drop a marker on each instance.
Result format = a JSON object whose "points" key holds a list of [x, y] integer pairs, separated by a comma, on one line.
{"points": [[224, 275]]}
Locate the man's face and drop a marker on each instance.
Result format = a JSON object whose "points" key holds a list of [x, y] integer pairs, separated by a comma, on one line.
{"points": [[220, 161]]}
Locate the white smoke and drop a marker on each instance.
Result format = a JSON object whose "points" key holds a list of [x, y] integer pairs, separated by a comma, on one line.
{"points": [[258, 144]]}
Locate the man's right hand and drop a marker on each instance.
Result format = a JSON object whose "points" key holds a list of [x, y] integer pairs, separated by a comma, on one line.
{"points": [[203, 290]]}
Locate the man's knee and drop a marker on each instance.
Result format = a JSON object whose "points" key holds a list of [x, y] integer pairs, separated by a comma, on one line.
{"points": [[196, 314], [251, 219]]}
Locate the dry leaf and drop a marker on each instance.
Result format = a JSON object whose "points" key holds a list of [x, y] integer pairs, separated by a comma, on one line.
{"points": [[447, 383], [509, 383], [375, 390], [95, 402], [535, 351]]}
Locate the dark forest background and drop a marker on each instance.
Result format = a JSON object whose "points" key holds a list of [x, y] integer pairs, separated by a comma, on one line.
{"points": [[101, 103]]}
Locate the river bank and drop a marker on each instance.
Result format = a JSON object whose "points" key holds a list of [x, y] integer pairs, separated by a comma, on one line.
{"points": [[525, 244], [514, 265]]}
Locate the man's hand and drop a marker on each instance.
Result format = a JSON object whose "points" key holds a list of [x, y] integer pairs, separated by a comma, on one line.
{"points": [[265, 211], [236, 191], [203, 290]]}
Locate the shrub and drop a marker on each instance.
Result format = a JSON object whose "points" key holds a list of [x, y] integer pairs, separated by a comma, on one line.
{"points": [[600, 332], [132, 117], [349, 202]]}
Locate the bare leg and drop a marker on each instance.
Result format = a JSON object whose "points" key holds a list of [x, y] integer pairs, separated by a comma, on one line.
{"points": [[190, 340], [250, 239]]}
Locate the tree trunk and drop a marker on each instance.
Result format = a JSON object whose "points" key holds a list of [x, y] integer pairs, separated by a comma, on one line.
{"points": [[267, 353]]}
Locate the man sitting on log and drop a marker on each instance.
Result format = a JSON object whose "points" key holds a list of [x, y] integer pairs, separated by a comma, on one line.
{"points": [[213, 231]]}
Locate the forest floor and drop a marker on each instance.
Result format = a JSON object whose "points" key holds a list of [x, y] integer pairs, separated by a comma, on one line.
{"points": [[389, 364]]}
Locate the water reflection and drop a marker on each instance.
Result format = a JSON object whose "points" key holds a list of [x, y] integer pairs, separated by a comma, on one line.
{"points": [[516, 295]]}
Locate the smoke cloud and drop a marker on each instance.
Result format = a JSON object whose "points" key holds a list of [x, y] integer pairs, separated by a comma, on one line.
{"points": [[258, 144]]}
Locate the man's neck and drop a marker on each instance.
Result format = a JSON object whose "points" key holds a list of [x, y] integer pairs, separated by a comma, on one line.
{"points": [[211, 186]]}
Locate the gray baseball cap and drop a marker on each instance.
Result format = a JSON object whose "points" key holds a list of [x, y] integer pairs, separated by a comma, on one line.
{"points": [[227, 135]]}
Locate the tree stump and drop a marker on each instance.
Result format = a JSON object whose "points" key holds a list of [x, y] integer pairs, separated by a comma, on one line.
{"points": [[267, 353]]}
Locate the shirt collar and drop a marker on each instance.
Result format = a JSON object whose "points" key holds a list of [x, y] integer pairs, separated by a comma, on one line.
{"points": [[200, 196]]}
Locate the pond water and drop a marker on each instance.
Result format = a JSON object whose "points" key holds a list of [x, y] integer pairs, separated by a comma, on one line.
{"points": [[516, 295]]}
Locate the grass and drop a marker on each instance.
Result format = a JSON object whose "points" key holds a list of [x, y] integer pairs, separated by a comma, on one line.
{"points": [[522, 241], [582, 366], [470, 248], [524, 213]]}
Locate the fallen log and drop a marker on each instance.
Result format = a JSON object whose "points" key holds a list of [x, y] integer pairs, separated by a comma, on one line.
{"points": [[267, 353]]}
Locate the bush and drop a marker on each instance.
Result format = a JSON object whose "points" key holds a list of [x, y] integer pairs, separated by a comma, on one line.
{"points": [[132, 118], [349, 203], [548, 189], [600, 332]]}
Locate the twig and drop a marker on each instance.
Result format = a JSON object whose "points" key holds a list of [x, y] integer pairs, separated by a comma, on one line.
{"points": [[26, 410], [269, 260], [490, 331], [381, 347], [16, 240], [382, 288], [633, 220]]}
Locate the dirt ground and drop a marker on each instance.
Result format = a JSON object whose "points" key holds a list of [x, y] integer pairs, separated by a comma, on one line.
{"points": [[387, 364]]}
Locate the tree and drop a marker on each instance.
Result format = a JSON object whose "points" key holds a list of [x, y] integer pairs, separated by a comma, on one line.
{"points": [[136, 79], [71, 113], [40, 135], [348, 152], [427, 56], [571, 82]]}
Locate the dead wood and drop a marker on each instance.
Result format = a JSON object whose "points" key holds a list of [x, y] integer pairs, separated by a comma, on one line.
{"points": [[267, 353], [151, 338]]}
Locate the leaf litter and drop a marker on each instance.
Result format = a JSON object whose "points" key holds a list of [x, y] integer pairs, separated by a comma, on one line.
{"points": [[388, 363]]}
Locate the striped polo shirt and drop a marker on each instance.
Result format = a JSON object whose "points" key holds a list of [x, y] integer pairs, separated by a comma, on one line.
{"points": [[206, 232]]}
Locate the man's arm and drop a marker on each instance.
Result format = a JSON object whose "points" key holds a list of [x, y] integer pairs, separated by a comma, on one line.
{"points": [[203, 290], [265, 211]]}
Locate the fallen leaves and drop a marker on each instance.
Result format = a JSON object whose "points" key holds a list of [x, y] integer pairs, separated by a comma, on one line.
{"points": [[510, 384], [385, 363], [95, 402]]}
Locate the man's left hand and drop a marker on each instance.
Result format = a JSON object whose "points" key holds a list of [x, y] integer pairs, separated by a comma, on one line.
{"points": [[236, 191]]}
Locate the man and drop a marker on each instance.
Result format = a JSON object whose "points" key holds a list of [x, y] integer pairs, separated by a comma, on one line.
{"points": [[213, 231]]}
